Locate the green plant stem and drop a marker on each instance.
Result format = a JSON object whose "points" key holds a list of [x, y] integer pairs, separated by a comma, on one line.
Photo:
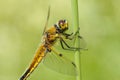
{"points": [[75, 19]]}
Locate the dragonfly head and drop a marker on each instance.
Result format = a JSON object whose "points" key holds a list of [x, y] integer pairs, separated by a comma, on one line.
{"points": [[63, 25]]}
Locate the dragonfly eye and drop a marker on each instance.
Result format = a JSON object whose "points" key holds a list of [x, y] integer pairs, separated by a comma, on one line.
{"points": [[63, 25]]}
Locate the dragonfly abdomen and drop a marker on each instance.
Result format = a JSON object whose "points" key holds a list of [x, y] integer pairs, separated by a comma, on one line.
{"points": [[40, 53]]}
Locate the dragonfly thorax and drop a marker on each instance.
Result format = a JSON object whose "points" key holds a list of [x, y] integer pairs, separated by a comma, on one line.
{"points": [[61, 26]]}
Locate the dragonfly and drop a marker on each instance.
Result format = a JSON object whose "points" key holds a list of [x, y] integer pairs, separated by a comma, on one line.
{"points": [[47, 53]]}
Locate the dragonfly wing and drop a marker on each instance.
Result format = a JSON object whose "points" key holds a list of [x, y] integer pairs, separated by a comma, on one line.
{"points": [[83, 44], [46, 24], [59, 63]]}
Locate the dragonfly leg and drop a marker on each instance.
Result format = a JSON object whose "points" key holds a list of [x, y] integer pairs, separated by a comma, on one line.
{"points": [[72, 36], [67, 35], [68, 47]]}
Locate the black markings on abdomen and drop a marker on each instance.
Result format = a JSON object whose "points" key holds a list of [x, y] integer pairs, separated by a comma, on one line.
{"points": [[25, 75]]}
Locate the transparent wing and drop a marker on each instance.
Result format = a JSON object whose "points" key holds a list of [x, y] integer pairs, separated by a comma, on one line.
{"points": [[46, 24], [83, 44], [59, 63]]}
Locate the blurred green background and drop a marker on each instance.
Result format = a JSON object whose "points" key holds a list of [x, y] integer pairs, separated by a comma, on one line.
{"points": [[22, 23]]}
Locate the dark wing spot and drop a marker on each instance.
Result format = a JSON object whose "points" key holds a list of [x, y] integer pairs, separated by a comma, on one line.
{"points": [[73, 64], [80, 37], [60, 55]]}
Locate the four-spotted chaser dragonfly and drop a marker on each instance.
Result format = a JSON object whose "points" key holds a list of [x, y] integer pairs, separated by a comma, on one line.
{"points": [[46, 52]]}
